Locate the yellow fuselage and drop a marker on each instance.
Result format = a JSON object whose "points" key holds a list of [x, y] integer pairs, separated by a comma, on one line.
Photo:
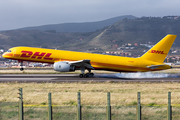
{"points": [[98, 61]]}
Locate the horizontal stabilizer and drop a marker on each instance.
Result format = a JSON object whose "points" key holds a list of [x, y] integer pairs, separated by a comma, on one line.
{"points": [[155, 66]]}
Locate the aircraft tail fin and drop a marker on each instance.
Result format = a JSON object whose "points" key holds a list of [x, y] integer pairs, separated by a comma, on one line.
{"points": [[159, 51]]}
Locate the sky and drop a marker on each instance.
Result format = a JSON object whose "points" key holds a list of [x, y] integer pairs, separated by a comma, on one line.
{"points": [[25, 13]]}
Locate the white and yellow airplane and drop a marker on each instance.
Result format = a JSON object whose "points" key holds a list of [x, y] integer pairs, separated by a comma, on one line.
{"points": [[66, 61]]}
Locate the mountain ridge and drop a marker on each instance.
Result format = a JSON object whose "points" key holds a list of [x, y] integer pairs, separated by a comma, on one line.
{"points": [[79, 27]]}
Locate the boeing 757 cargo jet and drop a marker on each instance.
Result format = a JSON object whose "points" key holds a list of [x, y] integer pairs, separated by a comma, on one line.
{"points": [[66, 61]]}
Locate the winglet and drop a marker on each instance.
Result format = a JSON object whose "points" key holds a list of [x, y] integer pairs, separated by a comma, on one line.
{"points": [[159, 52]]}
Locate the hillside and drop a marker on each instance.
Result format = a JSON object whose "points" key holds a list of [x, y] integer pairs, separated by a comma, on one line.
{"points": [[34, 38], [140, 30], [79, 27]]}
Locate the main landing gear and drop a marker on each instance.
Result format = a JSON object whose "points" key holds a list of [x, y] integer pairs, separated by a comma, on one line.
{"points": [[87, 74]]}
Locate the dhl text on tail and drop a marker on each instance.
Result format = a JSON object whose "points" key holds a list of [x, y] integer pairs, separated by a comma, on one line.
{"points": [[66, 61]]}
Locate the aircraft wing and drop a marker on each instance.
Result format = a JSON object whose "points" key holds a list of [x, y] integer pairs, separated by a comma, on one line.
{"points": [[85, 63], [155, 66]]}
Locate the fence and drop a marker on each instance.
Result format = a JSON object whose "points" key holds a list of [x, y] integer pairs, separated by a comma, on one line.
{"points": [[79, 112]]}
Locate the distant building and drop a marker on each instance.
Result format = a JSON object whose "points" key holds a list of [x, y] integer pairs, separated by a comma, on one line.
{"points": [[135, 44]]}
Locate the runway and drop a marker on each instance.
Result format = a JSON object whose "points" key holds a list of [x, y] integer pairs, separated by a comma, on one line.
{"points": [[39, 78]]}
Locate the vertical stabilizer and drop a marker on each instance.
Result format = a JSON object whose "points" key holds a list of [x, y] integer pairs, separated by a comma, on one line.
{"points": [[159, 51]]}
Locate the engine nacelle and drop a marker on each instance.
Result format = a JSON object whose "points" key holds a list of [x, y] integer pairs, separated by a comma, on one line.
{"points": [[63, 67]]}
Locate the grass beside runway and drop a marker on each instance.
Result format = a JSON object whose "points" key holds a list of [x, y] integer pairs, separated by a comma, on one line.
{"points": [[88, 112], [94, 94], [93, 99]]}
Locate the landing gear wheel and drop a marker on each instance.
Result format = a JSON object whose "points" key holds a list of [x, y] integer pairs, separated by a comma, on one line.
{"points": [[91, 74], [21, 69], [86, 75], [21, 65], [81, 75]]}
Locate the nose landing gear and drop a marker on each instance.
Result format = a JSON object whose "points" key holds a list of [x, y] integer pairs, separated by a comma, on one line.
{"points": [[21, 69], [21, 66]]}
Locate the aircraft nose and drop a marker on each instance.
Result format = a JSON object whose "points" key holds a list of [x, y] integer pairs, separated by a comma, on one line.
{"points": [[7, 55], [3, 55]]}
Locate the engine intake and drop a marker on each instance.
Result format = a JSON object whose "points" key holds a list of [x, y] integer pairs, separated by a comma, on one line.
{"points": [[63, 67]]}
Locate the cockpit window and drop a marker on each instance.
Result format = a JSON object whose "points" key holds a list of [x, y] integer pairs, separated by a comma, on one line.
{"points": [[9, 51]]}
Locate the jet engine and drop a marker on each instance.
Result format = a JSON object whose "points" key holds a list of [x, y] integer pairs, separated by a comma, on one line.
{"points": [[63, 67]]}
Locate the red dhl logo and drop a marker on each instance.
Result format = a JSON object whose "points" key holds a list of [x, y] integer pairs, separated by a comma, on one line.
{"points": [[36, 55], [157, 52]]}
